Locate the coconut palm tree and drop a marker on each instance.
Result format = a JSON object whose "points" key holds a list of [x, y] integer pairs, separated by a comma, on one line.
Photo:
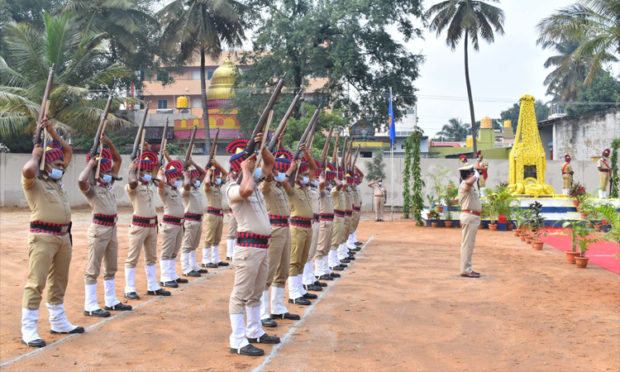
{"points": [[563, 81], [204, 27], [455, 130], [77, 57], [593, 24], [467, 19]]}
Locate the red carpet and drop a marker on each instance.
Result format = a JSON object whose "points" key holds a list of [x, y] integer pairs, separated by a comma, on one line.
{"points": [[602, 253]]}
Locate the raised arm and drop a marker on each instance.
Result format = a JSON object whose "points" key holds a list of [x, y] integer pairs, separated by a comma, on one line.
{"points": [[268, 162], [208, 177], [31, 167], [311, 163], [133, 175], [116, 157], [247, 170], [84, 181], [162, 178], [66, 149], [202, 173], [222, 169]]}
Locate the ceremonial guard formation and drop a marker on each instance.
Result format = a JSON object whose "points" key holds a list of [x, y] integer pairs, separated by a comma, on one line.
{"points": [[292, 219]]}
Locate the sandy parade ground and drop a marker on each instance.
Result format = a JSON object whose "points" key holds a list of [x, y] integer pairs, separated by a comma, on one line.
{"points": [[400, 306]]}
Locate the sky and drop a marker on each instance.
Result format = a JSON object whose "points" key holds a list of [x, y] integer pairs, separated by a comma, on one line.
{"points": [[500, 73]]}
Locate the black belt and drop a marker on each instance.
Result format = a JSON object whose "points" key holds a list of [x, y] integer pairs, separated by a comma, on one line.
{"points": [[281, 222], [245, 239], [327, 217], [172, 220], [50, 228], [301, 222], [104, 219], [193, 216]]}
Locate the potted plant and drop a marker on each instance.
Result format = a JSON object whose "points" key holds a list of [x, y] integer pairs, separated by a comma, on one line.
{"points": [[437, 180], [578, 193], [491, 198], [586, 207], [450, 193], [607, 213], [570, 229], [584, 239], [521, 217], [432, 201], [536, 224], [503, 205], [484, 214], [434, 218]]}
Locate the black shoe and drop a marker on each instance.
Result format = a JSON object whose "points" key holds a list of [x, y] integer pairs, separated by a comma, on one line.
{"points": [[249, 350], [344, 260], [34, 343], [310, 296], [356, 249], [351, 258], [299, 301], [192, 274], [359, 244], [222, 263], [320, 284], [265, 339], [334, 275], [182, 281], [210, 265], [159, 292], [171, 284], [269, 323], [326, 277], [203, 271], [228, 258], [77, 329], [312, 287], [119, 307], [337, 268], [288, 316], [100, 313], [132, 296]]}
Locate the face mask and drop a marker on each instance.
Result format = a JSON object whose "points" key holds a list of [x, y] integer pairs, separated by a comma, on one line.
{"points": [[357, 187], [197, 183], [348, 188], [56, 174], [146, 177], [380, 184], [342, 182], [218, 181], [106, 178], [177, 183], [280, 177], [330, 187], [304, 180], [315, 183], [257, 173]]}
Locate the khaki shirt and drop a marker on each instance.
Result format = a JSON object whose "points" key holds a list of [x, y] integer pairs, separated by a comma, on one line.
{"points": [[173, 202], [357, 202], [299, 200], [469, 197], [251, 212], [338, 197], [214, 197], [47, 200], [378, 191], [348, 200], [567, 171], [275, 198], [314, 199], [603, 164], [193, 201], [326, 203], [142, 199], [101, 199]]}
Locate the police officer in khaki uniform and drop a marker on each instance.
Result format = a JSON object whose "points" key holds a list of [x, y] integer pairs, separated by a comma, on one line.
{"points": [[215, 217], [49, 240], [469, 198], [482, 167], [338, 230], [604, 172], [231, 236], [301, 228], [274, 189], [326, 225], [343, 251], [143, 230], [250, 258], [567, 175], [308, 278], [379, 198], [101, 236], [168, 189], [352, 243], [194, 210]]}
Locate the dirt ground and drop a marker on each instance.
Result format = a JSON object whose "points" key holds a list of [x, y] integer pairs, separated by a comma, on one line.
{"points": [[400, 307]]}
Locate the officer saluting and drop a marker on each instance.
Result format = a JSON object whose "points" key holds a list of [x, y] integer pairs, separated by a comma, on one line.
{"points": [[604, 171], [101, 236], [49, 240]]}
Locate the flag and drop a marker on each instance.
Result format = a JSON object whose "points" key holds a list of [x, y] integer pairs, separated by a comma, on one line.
{"points": [[391, 124]]}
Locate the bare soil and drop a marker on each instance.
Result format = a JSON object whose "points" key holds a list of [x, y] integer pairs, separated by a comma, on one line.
{"points": [[400, 306]]}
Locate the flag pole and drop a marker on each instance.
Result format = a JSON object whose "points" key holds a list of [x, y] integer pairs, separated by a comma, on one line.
{"points": [[392, 122]]}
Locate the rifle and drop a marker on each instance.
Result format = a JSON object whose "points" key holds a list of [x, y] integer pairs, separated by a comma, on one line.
{"points": [[348, 159], [249, 149], [136, 143], [259, 157], [335, 152], [357, 153], [212, 151], [97, 145], [344, 155], [43, 111], [273, 144], [326, 148], [308, 132], [190, 147], [162, 146]]}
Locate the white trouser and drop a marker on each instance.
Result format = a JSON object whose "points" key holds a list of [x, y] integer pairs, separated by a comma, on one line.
{"points": [[215, 254], [29, 325], [110, 293], [277, 301], [151, 278], [237, 338], [58, 318], [254, 328], [264, 305], [308, 275], [90, 297], [130, 279]]}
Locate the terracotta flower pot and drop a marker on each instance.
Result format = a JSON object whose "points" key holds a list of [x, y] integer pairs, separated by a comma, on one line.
{"points": [[570, 256], [589, 225], [528, 240], [598, 227], [575, 203], [537, 245], [509, 226], [434, 224], [516, 232], [448, 223], [439, 208], [493, 226], [584, 215], [522, 237], [582, 262]]}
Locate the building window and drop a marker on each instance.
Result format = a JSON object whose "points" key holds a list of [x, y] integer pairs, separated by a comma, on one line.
{"points": [[196, 74], [162, 76], [162, 104], [529, 171]]}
